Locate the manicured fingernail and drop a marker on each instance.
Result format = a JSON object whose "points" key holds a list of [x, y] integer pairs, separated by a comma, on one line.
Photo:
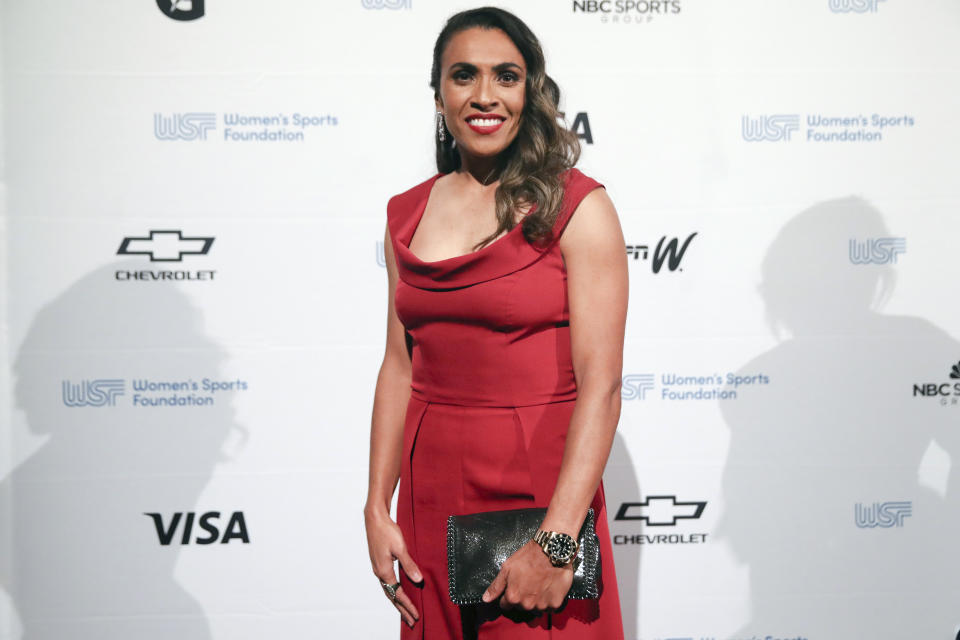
{"points": [[485, 597], [417, 577]]}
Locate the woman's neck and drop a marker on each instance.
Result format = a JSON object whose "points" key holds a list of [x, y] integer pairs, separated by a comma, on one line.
{"points": [[484, 171]]}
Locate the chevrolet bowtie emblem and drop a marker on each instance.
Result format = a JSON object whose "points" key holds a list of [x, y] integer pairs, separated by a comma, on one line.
{"points": [[660, 511], [165, 246]]}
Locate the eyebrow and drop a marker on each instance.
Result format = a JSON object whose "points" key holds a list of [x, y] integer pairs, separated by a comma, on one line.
{"points": [[503, 66]]}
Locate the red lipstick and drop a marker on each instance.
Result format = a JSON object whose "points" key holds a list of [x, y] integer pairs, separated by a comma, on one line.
{"points": [[488, 128]]}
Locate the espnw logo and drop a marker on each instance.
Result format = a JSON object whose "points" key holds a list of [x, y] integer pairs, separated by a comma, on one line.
{"points": [[184, 126], [165, 246], [882, 514], [877, 250], [181, 9], [669, 251], [387, 4], [855, 6], [660, 511], [769, 128], [102, 392], [634, 386]]}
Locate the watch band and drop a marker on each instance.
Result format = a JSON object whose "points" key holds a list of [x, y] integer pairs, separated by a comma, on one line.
{"points": [[543, 538]]}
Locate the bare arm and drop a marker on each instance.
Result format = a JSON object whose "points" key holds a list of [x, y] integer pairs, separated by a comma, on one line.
{"points": [[384, 538], [593, 249], [389, 403]]}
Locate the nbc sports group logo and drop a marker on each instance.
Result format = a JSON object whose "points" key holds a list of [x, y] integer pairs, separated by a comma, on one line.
{"points": [[669, 251], [877, 250], [780, 127], [660, 511], [627, 11], [947, 393], [885, 515]]}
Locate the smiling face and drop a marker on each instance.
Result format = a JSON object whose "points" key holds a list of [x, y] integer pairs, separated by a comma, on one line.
{"points": [[482, 90]]}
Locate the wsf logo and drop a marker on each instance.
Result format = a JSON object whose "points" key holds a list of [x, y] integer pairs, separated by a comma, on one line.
{"points": [[773, 128], [882, 514], [387, 4], [854, 6], [181, 9], [660, 511], [634, 386], [165, 246], [184, 126], [667, 251], [877, 250], [92, 393]]}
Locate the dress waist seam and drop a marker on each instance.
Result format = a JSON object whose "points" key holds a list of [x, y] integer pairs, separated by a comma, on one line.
{"points": [[425, 398]]}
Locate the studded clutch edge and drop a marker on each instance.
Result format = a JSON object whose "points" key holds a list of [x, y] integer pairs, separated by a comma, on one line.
{"points": [[479, 543]]}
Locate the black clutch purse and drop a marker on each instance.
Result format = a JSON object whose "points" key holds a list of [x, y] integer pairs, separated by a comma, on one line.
{"points": [[479, 543]]}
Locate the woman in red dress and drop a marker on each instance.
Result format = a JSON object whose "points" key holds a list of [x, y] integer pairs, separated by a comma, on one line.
{"points": [[500, 385]]}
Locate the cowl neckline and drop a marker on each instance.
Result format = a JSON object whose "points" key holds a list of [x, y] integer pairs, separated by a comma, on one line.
{"points": [[508, 253]]}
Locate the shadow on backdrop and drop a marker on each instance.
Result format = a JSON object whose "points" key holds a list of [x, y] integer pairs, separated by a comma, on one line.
{"points": [[86, 561], [839, 426], [620, 485]]}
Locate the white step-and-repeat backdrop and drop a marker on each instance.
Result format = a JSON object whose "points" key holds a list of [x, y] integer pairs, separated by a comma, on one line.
{"points": [[195, 308]]}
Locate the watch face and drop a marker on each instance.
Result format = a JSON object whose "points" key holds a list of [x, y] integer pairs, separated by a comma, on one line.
{"points": [[561, 547]]}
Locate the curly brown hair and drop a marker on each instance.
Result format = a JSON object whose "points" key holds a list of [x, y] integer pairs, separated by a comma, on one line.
{"points": [[543, 148]]}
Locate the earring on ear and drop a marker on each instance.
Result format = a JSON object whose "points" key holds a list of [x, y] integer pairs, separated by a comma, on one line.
{"points": [[440, 133]]}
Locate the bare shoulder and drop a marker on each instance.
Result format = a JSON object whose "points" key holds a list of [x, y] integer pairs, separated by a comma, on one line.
{"points": [[594, 226]]}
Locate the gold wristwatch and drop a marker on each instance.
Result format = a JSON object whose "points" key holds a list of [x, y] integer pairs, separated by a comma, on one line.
{"points": [[559, 547]]}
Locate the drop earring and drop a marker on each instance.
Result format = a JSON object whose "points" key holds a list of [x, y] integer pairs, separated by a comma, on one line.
{"points": [[440, 132]]}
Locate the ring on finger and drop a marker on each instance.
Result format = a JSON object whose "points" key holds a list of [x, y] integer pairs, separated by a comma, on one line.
{"points": [[391, 589]]}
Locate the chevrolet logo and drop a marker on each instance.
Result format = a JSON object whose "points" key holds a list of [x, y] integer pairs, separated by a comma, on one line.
{"points": [[165, 246], [660, 511]]}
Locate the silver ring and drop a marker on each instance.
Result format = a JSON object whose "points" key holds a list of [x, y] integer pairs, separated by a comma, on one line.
{"points": [[391, 589]]}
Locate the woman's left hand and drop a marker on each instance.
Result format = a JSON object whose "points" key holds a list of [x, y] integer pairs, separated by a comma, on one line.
{"points": [[529, 580]]}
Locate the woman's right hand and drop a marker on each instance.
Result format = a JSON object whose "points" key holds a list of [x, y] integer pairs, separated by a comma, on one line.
{"points": [[386, 544]]}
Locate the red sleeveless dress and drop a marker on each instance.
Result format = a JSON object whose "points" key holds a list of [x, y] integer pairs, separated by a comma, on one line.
{"points": [[491, 398]]}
